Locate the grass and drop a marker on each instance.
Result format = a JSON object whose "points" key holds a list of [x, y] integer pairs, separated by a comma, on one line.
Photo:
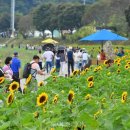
{"points": [[26, 55]]}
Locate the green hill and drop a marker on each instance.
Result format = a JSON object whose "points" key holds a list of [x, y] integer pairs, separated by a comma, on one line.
{"points": [[24, 6]]}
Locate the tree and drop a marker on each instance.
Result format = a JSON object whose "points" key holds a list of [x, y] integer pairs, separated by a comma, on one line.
{"points": [[5, 22], [45, 18], [82, 32], [25, 24], [127, 14], [70, 16]]}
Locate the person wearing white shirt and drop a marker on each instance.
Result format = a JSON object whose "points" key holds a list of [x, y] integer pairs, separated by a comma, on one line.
{"points": [[76, 59], [86, 57], [98, 56], [48, 56], [80, 56]]}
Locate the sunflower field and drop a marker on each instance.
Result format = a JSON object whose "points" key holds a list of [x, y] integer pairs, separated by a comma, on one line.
{"points": [[95, 99]]}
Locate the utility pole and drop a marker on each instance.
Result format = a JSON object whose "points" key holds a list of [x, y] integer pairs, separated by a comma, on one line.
{"points": [[12, 17], [84, 2]]}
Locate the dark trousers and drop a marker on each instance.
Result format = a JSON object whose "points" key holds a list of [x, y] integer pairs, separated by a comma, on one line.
{"points": [[57, 65], [16, 79], [70, 64], [15, 75], [48, 64], [40, 65]]}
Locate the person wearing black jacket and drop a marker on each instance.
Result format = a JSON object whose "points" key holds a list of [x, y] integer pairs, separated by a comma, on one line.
{"points": [[70, 58]]}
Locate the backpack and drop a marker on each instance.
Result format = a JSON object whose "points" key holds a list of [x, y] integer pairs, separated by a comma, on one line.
{"points": [[27, 70], [1, 72]]}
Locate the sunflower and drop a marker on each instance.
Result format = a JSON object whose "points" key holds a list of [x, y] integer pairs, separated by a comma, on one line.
{"points": [[118, 71], [80, 127], [124, 97], [96, 69], [99, 68], [70, 96], [36, 114], [126, 66], [55, 99], [75, 72], [24, 89], [116, 61], [28, 80], [88, 96], [53, 70], [40, 84], [52, 129], [14, 86], [118, 64], [82, 73], [97, 114], [2, 79], [128, 63], [91, 78], [119, 60], [90, 84], [54, 78], [103, 100], [71, 76], [106, 62], [42, 99], [87, 69], [10, 98]]}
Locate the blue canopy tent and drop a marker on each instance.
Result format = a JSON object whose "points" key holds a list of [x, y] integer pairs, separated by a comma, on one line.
{"points": [[104, 35]]}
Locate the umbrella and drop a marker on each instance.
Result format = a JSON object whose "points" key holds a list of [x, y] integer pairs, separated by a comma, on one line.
{"points": [[61, 48], [104, 35], [49, 41]]}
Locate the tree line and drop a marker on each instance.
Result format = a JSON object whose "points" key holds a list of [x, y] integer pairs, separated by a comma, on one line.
{"points": [[60, 17], [114, 14]]}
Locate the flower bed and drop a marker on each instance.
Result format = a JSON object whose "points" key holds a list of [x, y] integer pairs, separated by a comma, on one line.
{"points": [[94, 99]]}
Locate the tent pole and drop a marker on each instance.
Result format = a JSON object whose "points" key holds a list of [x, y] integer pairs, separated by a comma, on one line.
{"points": [[102, 45]]}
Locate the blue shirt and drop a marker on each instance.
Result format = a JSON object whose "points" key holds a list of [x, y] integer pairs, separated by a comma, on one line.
{"points": [[16, 65]]}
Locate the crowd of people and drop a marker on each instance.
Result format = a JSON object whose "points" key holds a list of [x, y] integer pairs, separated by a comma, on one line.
{"points": [[102, 55], [71, 58]]}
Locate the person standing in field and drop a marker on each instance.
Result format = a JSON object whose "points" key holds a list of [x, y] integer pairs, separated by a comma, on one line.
{"points": [[7, 69], [40, 59], [35, 68], [76, 59], [62, 62], [86, 58], [70, 58], [16, 65], [57, 62], [48, 56], [80, 56], [102, 55]]}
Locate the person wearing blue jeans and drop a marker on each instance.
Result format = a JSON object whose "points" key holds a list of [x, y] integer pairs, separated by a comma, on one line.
{"points": [[16, 65], [48, 65], [48, 56]]}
